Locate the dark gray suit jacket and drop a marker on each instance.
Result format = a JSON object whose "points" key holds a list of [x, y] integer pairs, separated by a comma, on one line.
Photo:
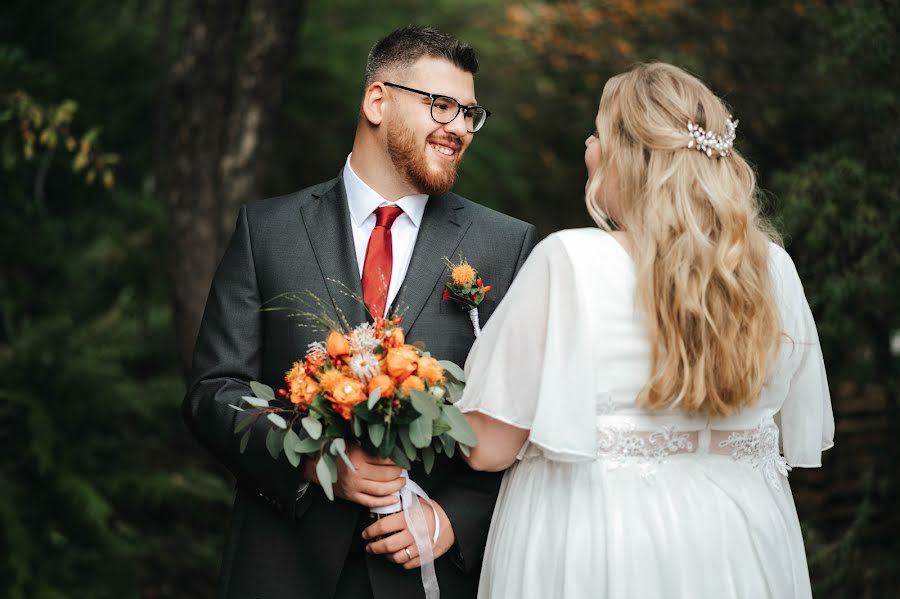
{"points": [[279, 547]]}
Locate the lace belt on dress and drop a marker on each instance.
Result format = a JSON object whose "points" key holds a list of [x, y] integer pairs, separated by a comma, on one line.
{"points": [[624, 444]]}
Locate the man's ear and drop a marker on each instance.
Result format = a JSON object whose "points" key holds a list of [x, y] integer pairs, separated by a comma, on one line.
{"points": [[373, 104]]}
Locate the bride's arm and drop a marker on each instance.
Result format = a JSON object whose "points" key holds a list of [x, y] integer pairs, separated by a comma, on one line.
{"points": [[498, 443]]}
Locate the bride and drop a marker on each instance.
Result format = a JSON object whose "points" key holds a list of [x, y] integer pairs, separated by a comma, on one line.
{"points": [[650, 382]]}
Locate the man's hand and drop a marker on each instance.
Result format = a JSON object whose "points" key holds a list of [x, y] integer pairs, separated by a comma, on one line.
{"points": [[373, 483], [400, 547]]}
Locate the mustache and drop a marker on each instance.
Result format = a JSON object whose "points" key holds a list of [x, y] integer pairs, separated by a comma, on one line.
{"points": [[451, 140]]}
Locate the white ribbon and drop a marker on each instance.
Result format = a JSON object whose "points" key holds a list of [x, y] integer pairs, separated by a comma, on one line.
{"points": [[415, 522], [476, 325]]}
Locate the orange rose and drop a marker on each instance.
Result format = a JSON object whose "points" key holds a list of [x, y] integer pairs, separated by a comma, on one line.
{"points": [[430, 370], [337, 344], [330, 379], [395, 338], [401, 361], [347, 394], [302, 391], [411, 383], [383, 383]]}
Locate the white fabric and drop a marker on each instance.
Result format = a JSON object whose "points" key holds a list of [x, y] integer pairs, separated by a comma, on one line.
{"points": [[362, 201], [612, 501]]}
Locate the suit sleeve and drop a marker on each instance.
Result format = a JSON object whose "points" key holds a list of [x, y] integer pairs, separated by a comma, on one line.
{"points": [[469, 502], [227, 356]]}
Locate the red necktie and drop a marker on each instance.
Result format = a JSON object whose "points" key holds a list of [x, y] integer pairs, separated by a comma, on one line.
{"points": [[376, 277]]}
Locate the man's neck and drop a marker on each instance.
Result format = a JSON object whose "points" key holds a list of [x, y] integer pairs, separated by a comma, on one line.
{"points": [[378, 172]]}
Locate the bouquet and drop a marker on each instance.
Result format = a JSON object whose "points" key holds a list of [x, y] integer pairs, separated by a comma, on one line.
{"points": [[365, 386]]}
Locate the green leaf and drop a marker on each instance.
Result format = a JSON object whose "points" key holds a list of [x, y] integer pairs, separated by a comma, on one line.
{"points": [[453, 371], [459, 428], [291, 440], [464, 449], [324, 475], [307, 445], [339, 446], [400, 458], [234, 407], [362, 410], [374, 396], [424, 404], [376, 433], [312, 426], [454, 391], [262, 391], [449, 445], [274, 442], [405, 441], [245, 439], [332, 466], [256, 402], [278, 421], [420, 431], [428, 459], [357, 427], [243, 421]]}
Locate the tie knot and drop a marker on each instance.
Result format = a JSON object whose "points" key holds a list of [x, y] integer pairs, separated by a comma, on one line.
{"points": [[386, 215]]}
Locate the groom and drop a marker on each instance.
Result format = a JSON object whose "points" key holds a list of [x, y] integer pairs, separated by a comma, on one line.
{"points": [[389, 216]]}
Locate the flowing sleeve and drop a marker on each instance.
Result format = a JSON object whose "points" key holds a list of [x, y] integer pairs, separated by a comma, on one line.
{"points": [[806, 418], [531, 365]]}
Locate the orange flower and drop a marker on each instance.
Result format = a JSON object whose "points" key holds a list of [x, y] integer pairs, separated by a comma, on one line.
{"points": [[411, 383], [384, 383], [401, 361], [330, 379], [347, 394], [395, 338], [337, 344], [314, 362], [430, 370], [462, 274], [303, 390], [296, 373]]}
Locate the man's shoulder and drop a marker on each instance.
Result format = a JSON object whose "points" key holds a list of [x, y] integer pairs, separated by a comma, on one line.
{"points": [[489, 216], [277, 206]]}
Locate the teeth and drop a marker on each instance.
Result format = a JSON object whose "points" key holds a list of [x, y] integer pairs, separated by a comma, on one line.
{"points": [[443, 150]]}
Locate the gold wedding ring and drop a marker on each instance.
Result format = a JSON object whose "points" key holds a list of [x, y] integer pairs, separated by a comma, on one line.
{"points": [[408, 554]]}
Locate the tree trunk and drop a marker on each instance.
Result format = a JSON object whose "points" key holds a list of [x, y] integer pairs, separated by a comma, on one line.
{"points": [[218, 113]]}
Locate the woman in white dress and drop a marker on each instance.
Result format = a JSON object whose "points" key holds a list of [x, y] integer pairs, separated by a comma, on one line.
{"points": [[649, 383]]}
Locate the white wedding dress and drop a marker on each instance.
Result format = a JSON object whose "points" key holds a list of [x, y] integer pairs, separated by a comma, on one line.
{"points": [[611, 501]]}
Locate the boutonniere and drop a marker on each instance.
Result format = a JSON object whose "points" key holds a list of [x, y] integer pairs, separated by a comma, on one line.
{"points": [[466, 289]]}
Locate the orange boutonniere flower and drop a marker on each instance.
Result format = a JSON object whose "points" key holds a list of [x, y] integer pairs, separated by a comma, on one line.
{"points": [[466, 289]]}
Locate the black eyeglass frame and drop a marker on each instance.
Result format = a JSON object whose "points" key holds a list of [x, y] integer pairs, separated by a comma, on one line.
{"points": [[434, 97]]}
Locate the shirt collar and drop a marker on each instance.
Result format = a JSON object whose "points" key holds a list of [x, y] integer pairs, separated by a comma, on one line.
{"points": [[363, 200]]}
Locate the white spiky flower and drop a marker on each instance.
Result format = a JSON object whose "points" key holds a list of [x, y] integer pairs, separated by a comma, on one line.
{"points": [[364, 366], [363, 339], [316, 349]]}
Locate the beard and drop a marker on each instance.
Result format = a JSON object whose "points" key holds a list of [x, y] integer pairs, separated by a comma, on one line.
{"points": [[409, 159]]}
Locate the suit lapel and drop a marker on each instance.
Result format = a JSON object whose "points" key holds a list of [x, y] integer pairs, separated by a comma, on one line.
{"points": [[328, 228], [444, 224]]}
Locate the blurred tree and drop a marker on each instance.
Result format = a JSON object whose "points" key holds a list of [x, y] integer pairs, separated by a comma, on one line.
{"points": [[218, 119]]}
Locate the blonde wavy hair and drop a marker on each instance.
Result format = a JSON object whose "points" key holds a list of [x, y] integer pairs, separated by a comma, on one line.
{"points": [[699, 242]]}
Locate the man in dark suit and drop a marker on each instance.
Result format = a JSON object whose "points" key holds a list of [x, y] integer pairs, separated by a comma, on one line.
{"points": [[390, 217]]}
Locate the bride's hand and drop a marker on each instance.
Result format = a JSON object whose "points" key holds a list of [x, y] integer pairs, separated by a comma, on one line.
{"points": [[372, 485]]}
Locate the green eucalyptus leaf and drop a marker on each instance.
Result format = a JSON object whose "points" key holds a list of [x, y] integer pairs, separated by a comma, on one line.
{"points": [[428, 459], [449, 445], [459, 428], [262, 391], [274, 442], [290, 442], [406, 443], [374, 396], [339, 446], [256, 402], [307, 445], [312, 426], [234, 407], [357, 427], [376, 433], [278, 421], [400, 458], [332, 466], [464, 449], [453, 371], [243, 422], [245, 439], [420, 431], [323, 473], [425, 404], [454, 391]]}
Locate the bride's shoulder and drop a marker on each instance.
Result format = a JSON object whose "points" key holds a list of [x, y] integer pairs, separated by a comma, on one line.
{"points": [[588, 242]]}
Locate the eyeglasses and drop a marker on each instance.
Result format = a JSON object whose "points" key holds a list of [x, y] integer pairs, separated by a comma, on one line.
{"points": [[444, 109]]}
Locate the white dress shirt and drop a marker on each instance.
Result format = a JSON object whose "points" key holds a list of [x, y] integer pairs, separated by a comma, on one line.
{"points": [[363, 200]]}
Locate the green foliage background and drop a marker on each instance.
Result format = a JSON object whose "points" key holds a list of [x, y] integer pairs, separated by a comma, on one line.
{"points": [[103, 493]]}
